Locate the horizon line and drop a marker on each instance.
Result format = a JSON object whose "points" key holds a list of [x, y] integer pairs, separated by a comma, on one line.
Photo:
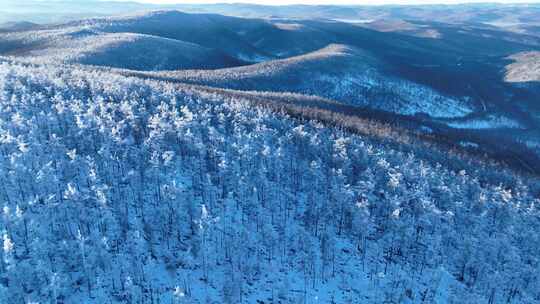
{"points": [[397, 3]]}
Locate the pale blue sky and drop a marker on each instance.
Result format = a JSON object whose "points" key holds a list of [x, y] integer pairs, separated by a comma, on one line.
{"points": [[336, 2]]}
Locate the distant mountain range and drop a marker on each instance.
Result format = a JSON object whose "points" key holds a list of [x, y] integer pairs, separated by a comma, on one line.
{"points": [[62, 10]]}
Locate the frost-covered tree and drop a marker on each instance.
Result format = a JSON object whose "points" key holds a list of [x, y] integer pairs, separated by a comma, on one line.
{"points": [[123, 190]]}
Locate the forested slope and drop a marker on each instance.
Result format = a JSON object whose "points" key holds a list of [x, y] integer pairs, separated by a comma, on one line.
{"points": [[122, 190], [121, 50], [339, 72]]}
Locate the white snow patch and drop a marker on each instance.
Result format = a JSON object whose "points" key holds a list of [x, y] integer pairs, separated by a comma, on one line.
{"points": [[490, 122], [289, 26]]}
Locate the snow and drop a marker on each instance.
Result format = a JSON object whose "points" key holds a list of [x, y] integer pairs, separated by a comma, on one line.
{"points": [[338, 72], [468, 144], [410, 98], [491, 121], [131, 190], [525, 68], [116, 187], [288, 26], [122, 50], [355, 20]]}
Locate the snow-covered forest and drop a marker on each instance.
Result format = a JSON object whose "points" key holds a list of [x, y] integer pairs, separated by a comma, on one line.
{"points": [[121, 190]]}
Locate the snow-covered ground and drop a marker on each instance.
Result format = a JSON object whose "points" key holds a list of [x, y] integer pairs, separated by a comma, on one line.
{"points": [[491, 121], [120, 50], [369, 88], [121, 190], [338, 72], [355, 20], [525, 68]]}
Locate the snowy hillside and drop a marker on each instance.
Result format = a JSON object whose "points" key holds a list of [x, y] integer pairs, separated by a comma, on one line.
{"points": [[338, 72], [122, 190], [122, 50], [525, 68], [207, 30], [17, 26]]}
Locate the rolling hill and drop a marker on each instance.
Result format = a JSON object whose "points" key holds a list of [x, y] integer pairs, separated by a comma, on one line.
{"points": [[338, 72], [456, 78], [17, 26], [213, 31], [77, 43]]}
